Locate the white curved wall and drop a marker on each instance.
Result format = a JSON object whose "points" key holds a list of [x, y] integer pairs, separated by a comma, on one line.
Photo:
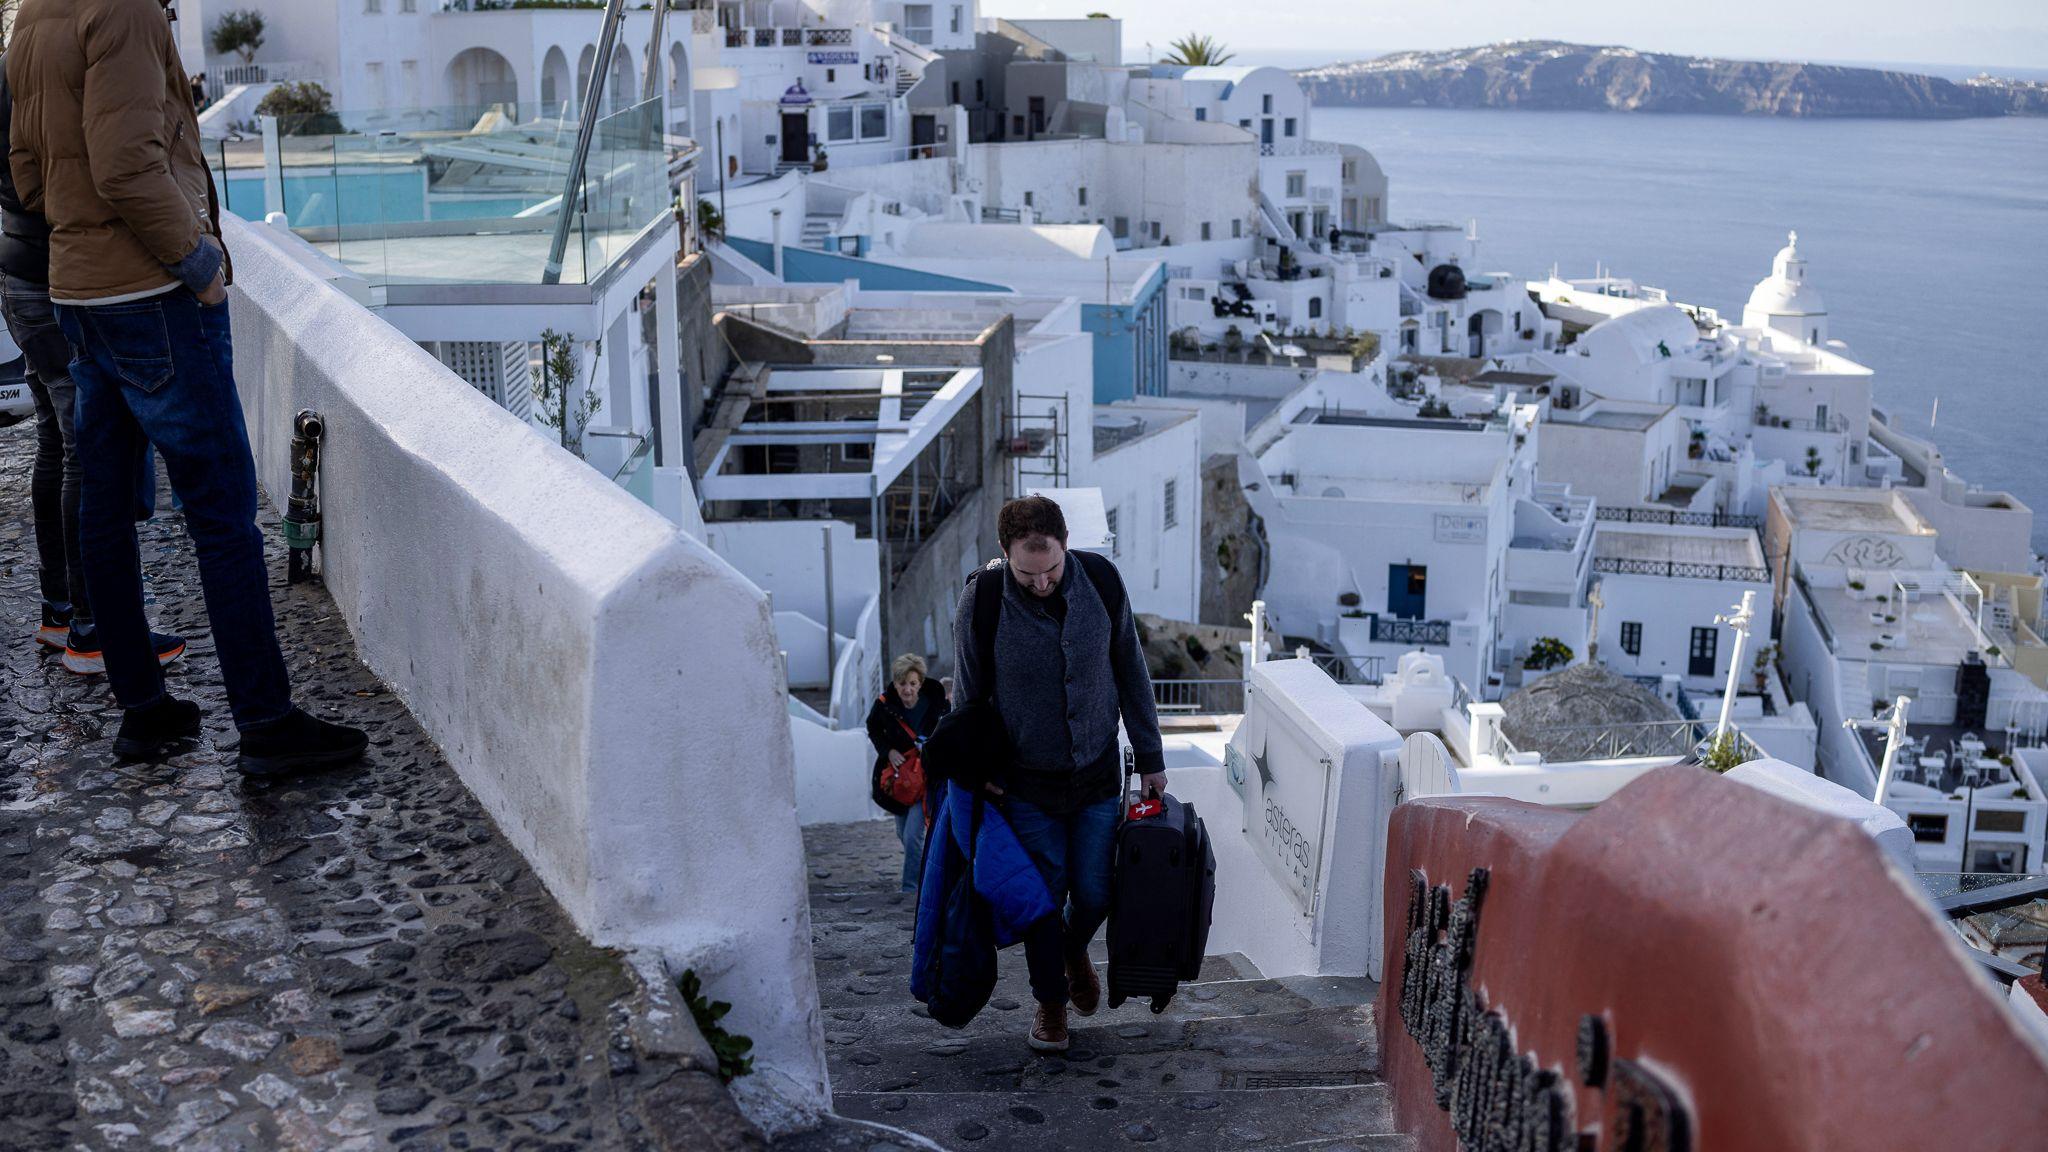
{"points": [[602, 682]]}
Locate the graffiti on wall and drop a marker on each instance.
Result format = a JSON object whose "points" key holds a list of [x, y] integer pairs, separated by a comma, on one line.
{"points": [[1498, 1096], [1865, 552]]}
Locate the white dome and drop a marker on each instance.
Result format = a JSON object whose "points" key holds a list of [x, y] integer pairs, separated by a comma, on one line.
{"points": [[1786, 291]]}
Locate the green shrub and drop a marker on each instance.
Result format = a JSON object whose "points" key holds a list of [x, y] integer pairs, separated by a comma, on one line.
{"points": [[302, 108], [731, 1050]]}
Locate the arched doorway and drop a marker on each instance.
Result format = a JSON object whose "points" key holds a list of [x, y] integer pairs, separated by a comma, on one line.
{"points": [[679, 85], [556, 95], [479, 79], [585, 65], [625, 90], [1480, 331]]}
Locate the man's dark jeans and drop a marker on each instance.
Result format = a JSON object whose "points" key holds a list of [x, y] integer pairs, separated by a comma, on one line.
{"points": [[54, 486], [161, 371], [1074, 851]]}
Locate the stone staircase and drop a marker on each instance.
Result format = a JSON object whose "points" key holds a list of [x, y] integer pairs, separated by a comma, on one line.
{"points": [[817, 226], [1237, 1061]]}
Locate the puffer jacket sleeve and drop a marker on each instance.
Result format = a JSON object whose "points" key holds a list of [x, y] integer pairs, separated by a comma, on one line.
{"points": [[127, 133]]}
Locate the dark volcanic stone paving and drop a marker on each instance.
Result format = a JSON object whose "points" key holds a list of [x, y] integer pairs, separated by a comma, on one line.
{"points": [[1236, 1062], [346, 962]]}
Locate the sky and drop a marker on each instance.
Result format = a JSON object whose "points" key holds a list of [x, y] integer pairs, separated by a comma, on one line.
{"points": [[2010, 34]]}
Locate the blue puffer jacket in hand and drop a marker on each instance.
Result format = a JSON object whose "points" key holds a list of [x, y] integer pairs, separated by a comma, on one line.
{"points": [[980, 892]]}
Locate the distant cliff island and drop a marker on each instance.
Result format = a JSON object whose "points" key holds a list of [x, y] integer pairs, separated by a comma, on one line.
{"points": [[1550, 75]]}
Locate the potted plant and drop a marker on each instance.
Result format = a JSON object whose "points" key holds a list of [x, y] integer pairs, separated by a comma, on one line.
{"points": [[1812, 460], [1698, 447], [1546, 654], [1761, 671], [819, 161]]}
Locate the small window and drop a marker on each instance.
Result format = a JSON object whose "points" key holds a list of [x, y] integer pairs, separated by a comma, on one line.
{"points": [[1996, 820], [1170, 514], [831, 75], [373, 6], [978, 97], [1155, 229], [1315, 307], [1237, 229], [1632, 638], [1082, 192], [1115, 545], [1297, 185], [1017, 125], [874, 121], [1028, 202], [956, 19], [1266, 104], [408, 5], [1205, 229], [1245, 123], [1288, 128], [1201, 113], [1121, 228], [839, 123], [1928, 827], [956, 91]]}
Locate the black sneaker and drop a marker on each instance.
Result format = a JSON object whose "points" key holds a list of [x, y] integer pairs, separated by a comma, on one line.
{"points": [[82, 651], [147, 732], [297, 743]]}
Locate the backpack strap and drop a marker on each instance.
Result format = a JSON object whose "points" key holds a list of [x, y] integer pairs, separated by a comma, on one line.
{"points": [[988, 609], [1109, 582]]}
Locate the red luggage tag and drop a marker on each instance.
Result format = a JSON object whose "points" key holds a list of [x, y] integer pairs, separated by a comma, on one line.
{"points": [[1147, 806]]}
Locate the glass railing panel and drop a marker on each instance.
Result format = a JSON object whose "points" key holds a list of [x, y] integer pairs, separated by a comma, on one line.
{"points": [[460, 195]]}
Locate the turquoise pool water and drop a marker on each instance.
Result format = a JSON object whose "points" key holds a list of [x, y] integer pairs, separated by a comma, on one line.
{"points": [[324, 199]]}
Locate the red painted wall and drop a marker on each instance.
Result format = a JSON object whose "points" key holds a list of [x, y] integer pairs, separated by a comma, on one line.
{"points": [[1765, 960]]}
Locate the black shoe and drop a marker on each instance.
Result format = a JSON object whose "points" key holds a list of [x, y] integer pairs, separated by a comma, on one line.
{"points": [[82, 651], [147, 732], [297, 743]]}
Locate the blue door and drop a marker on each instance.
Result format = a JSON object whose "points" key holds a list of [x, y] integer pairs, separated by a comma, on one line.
{"points": [[1407, 591]]}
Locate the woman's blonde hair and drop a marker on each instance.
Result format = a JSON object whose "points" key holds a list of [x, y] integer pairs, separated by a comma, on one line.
{"points": [[904, 665]]}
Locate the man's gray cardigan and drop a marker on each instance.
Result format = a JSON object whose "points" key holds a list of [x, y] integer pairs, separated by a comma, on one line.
{"points": [[1060, 686]]}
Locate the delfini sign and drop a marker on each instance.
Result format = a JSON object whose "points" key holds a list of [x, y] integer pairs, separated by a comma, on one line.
{"points": [[1314, 771]]}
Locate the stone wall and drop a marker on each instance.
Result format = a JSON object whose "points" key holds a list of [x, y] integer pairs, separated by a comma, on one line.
{"points": [[596, 678]]}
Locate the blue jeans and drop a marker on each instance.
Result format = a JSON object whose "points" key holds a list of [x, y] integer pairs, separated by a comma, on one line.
{"points": [[160, 371], [910, 830], [1074, 852]]}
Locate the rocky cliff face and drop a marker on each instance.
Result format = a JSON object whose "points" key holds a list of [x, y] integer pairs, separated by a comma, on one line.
{"points": [[1556, 76]]}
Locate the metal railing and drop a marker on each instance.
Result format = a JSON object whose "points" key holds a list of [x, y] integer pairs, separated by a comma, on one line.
{"points": [[1567, 743], [1676, 516], [1680, 569], [1353, 669], [1393, 630], [1198, 697]]}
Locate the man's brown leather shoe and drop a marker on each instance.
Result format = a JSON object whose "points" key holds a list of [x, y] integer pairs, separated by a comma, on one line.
{"points": [[1084, 987], [1049, 1028]]}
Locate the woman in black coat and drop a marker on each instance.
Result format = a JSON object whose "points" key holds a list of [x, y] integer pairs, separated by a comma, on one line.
{"points": [[903, 715]]}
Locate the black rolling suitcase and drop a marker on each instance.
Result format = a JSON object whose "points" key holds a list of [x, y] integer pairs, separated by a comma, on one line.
{"points": [[1162, 892]]}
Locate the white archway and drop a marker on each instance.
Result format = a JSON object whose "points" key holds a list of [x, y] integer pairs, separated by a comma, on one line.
{"points": [[556, 95], [625, 89], [479, 78], [585, 65], [679, 85]]}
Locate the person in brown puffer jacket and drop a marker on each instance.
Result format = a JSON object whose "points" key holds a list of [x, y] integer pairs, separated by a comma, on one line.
{"points": [[105, 145]]}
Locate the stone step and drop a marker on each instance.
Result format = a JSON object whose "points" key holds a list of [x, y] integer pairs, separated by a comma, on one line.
{"points": [[1318, 1047], [1359, 1116]]}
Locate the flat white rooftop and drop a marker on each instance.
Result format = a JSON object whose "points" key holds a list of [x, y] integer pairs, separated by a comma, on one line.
{"points": [[1726, 547], [1852, 510]]}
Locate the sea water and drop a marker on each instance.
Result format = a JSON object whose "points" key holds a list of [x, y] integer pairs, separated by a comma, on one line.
{"points": [[1928, 239]]}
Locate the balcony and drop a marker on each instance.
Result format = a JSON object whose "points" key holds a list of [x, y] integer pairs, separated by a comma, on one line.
{"points": [[1427, 633], [772, 37]]}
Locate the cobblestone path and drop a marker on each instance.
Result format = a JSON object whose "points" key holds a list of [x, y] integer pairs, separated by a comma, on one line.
{"points": [[1236, 1062], [352, 961]]}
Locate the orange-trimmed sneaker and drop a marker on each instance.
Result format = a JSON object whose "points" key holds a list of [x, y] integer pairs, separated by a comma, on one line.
{"points": [[82, 651], [1084, 987], [1049, 1028], [56, 627]]}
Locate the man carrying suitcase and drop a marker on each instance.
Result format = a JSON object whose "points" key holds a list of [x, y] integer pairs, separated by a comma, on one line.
{"points": [[1068, 664]]}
